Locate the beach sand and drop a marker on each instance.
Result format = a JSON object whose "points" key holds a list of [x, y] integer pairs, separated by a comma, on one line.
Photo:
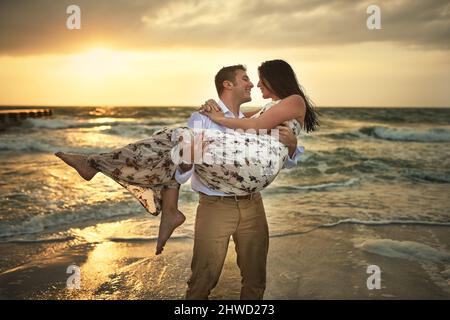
{"points": [[327, 263]]}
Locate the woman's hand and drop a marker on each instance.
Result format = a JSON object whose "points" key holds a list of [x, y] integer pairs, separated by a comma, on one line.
{"points": [[209, 105], [214, 113]]}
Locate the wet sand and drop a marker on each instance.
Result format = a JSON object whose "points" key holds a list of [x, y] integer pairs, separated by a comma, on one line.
{"points": [[327, 263]]}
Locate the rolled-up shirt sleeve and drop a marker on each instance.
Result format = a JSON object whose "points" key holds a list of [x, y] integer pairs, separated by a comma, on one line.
{"points": [[183, 177], [292, 161]]}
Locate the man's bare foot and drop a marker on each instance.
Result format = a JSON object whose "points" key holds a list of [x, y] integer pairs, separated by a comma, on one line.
{"points": [[79, 163], [170, 220]]}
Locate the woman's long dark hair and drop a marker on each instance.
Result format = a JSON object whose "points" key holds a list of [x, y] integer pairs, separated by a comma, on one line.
{"points": [[279, 77]]}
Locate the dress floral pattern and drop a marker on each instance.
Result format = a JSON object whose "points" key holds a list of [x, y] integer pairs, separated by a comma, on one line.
{"points": [[233, 162]]}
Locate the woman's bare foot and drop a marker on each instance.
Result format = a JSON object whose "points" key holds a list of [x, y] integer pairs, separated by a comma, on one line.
{"points": [[79, 163], [170, 220]]}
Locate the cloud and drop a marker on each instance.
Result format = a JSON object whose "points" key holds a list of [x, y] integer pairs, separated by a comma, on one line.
{"points": [[38, 26]]}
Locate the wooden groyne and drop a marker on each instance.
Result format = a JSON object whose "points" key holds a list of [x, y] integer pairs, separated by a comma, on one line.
{"points": [[16, 116]]}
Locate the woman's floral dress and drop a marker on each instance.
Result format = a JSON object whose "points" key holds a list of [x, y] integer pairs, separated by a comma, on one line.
{"points": [[234, 162]]}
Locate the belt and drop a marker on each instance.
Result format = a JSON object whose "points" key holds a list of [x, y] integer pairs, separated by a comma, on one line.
{"points": [[234, 197]]}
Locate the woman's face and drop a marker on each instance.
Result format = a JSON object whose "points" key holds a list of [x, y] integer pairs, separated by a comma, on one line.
{"points": [[266, 92]]}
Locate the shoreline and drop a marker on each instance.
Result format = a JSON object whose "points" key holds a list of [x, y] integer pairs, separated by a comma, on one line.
{"points": [[327, 263]]}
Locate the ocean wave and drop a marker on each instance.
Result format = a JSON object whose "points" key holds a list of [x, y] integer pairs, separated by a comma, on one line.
{"points": [[145, 239], [28, 145], [402, 249], [327, 186], [435, 177], [407, 134], [337, 156], [428, 115], [42, 223], [41, 240], [366, 223], [349, 135], [68, 124], [386, 222], [91, 123], [139, 131], [314, 187]]}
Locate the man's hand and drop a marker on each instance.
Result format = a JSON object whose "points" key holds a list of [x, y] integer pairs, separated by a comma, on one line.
{"points": [[197, 147], [287, 138], [185, 167]]}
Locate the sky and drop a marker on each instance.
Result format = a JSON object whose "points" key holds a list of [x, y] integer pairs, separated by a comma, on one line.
{"points": [[166, 53]]}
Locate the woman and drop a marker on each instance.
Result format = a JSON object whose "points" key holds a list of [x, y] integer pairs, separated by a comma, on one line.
{"points": [[146, 168]]}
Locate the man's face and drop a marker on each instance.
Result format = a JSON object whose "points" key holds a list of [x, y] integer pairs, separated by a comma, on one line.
{"points": [[242, 86]]}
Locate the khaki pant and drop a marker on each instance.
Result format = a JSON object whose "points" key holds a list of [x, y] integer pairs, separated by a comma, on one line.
{"points": [[217, 219]]}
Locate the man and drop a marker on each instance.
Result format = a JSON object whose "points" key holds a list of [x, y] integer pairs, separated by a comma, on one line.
{"points": [[221, 215]]}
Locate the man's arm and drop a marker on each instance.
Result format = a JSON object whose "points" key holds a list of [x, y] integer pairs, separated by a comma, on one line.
{"points": [[292, 160], [185, 171]]}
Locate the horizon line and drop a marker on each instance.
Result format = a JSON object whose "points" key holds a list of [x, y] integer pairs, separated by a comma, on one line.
{"points": [[191, 106]]}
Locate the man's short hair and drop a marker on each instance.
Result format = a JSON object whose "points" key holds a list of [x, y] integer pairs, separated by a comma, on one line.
{"points": [[227, 73]]}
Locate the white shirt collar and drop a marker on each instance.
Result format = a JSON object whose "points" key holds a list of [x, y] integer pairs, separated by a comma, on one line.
{"points": [[227, 111]]}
